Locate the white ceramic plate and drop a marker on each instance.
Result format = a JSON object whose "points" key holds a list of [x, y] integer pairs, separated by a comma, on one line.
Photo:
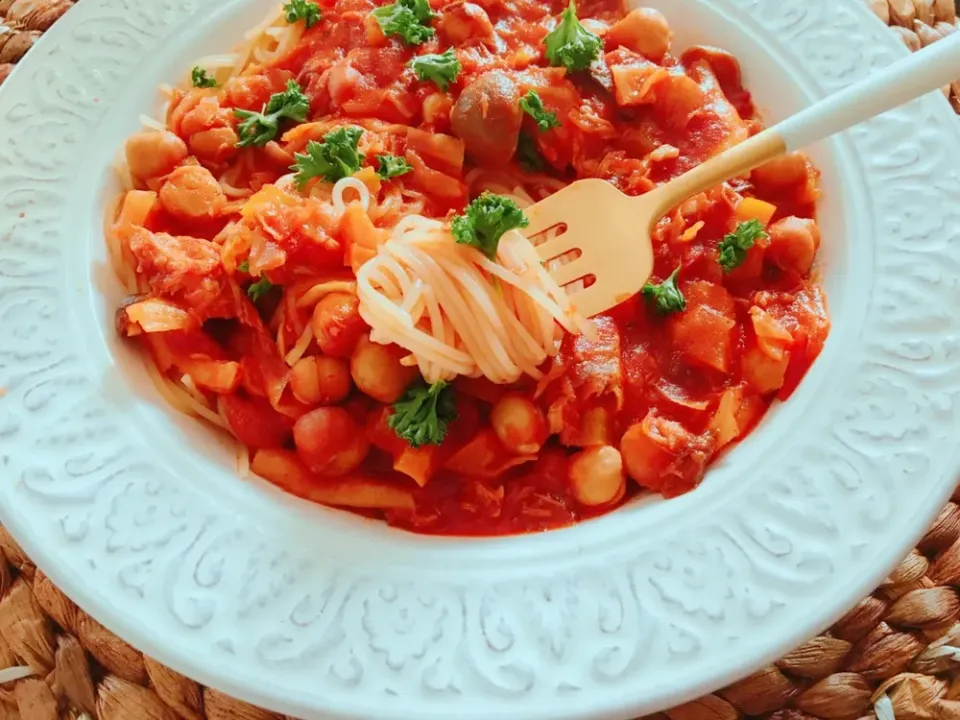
{"points": [[137, 514]]}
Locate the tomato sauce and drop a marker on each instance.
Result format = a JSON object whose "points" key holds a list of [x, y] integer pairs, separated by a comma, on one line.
{"points": [[663, 392]]}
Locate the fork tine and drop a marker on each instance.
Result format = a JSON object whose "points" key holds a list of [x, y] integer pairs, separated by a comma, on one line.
{"points": [[546, 213], [591, 301], [555, 248], [566, 274]]}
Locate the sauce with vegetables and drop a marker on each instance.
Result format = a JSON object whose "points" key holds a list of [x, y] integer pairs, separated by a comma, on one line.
{"points": [[250, 217]]}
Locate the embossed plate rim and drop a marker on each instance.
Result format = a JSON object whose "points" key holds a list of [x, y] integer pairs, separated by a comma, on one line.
{"points": [[99, 35]]}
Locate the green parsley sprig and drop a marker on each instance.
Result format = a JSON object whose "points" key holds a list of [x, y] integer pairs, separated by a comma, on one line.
{"points": [[486, 220], [335, 158], [201, 79], [732, 250], [532, 105], [257, 129], [666, 296], [423, 415], [407, 19], [305, 10], [391, 166], [570, 44], [442, 68]]}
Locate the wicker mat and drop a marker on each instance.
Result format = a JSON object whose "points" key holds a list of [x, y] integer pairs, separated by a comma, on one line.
{"points": [[896, 655]]}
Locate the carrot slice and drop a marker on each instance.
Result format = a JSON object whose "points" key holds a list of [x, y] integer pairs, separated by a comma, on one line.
{"points": [[754, 209]]}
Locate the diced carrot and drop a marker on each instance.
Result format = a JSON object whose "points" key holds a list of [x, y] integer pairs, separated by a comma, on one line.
{"points": [[754, 209], [368, 176], [442, 152], [381, 435], [269, 196], [691, 232], [703, 335], [431, 181], [357, 256], [361, 237], [297, 137], [284, 469], [485, 457], [419, 463]]}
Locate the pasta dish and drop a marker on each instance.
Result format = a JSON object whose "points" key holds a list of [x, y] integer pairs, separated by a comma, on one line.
{"points": [[321, 238]]}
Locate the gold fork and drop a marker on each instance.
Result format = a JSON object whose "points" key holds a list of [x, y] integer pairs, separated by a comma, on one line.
{"points": [[611, 231]]}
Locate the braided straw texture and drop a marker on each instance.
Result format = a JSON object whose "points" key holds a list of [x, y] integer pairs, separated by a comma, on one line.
{"points": [[895, 656]]}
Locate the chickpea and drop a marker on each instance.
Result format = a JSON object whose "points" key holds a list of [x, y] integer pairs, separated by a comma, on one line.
{"points": [[645, 31], [377, 371], [519, 424], [597, 476], [154, 154], [787, 171], [646, 449], [460, 22], [216, 145], [337, 324], [350, 457], [320, 381], [793, 244], [678, 98], [663, 456], [204, 115], [330, 441], [192, 193]]}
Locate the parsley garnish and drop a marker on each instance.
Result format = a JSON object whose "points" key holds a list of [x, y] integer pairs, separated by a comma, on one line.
{"points": [[443, 69], [422, 415], [409, 19], [335, 158], [666, 297], [260, 128], [570, 44], [733, 248], [527, 154], [486, 220], [297, 10], [201, 79], [244, 267], [391, 166], [260, 288], [532, 105]]}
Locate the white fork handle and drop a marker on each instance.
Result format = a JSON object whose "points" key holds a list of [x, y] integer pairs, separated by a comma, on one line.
{"points": [[923, 72]]}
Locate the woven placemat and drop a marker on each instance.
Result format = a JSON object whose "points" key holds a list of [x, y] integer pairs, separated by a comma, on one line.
{"points": [[895, 656]]}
